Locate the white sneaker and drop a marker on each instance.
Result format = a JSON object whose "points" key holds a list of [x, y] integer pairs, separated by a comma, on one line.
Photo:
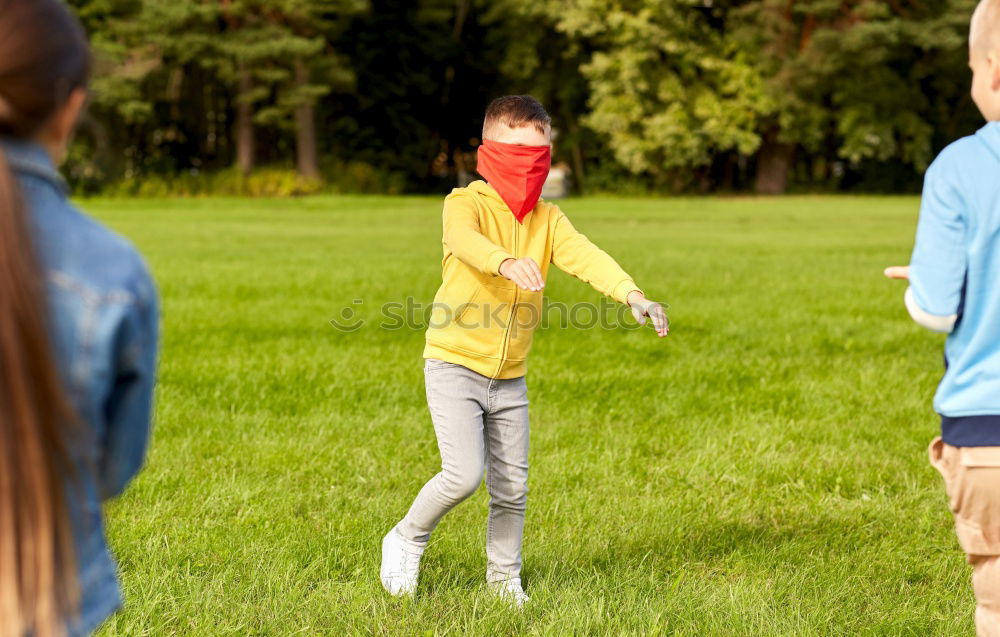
{"points": [[510, 590], [400, 564]]}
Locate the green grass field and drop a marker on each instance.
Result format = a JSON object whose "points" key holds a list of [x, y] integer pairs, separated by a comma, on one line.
{"points": [[762, 471]]}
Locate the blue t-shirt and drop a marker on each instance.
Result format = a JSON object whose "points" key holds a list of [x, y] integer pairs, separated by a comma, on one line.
{"points": [[955, 269]]}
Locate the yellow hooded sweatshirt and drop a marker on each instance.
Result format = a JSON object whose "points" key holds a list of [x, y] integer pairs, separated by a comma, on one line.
{"points": [[483, 321]]}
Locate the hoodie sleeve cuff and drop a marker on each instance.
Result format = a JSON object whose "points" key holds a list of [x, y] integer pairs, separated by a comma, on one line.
{"points": [[933, 322], [623, 289], [494, 260]]}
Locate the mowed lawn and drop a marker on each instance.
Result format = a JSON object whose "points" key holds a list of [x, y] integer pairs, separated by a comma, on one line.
{"points": [[761, 471]]}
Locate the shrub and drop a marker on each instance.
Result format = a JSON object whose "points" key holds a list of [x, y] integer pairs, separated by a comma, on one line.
{"points": [[266, 181]]}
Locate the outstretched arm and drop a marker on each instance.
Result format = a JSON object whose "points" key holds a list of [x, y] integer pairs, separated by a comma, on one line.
{"points": [[938, 266], [943, 324], [643, 308], [575, 254]]}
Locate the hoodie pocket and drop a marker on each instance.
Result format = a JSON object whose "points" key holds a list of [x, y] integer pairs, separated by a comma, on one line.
{"points": [[468, 308], [476, 325]]}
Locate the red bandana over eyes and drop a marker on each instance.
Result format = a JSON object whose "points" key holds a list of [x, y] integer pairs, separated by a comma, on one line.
{"points": [[516, 172]]}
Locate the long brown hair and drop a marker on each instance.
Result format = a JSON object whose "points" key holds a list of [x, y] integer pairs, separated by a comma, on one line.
{"points": [[44, 57]]}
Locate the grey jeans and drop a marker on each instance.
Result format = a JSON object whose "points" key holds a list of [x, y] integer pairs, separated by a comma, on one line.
{"points": [[481, 425]]}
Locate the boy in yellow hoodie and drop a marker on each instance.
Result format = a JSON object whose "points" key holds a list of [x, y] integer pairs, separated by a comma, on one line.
{"points": [[499, 240]]}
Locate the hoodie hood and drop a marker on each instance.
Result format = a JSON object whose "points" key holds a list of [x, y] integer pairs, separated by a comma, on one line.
{"points": [[483, 188]]}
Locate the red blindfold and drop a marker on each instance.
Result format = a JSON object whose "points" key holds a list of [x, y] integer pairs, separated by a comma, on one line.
{"points": [[516, 172]]}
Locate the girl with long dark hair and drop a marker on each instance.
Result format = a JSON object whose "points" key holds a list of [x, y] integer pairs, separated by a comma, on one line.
{"points": [[78, 336]]}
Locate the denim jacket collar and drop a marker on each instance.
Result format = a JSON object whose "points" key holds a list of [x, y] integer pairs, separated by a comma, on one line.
{"points": [[28, 158]]}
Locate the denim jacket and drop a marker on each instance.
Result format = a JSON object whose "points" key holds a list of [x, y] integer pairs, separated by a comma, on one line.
{"points": [[103, 321]]}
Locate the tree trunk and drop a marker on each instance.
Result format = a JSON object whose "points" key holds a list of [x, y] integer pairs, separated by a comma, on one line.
{"points": [[305, 128], [244, 124], [705, 181], [773, 164], [727, 182]]}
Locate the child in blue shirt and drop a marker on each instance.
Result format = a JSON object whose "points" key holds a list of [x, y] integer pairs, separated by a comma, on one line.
{"points": [[954, 277]]}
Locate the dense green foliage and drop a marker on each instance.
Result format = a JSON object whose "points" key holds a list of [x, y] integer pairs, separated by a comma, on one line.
{"points": [[761, 471], [670, 94]]}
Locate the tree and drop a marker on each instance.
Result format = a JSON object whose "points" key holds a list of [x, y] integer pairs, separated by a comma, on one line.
{"points": [[301, 65], [419, 100], [664, 93], [242, 43], [665, 88], [675, 85], [155, 80], [542, 61], [853, 71]]}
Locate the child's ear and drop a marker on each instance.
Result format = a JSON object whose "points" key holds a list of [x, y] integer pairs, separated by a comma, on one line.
{"points": [[993, 61]]}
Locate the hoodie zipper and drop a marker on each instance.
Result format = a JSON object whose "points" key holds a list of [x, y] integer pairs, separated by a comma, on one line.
{"points": [[513, 308]]}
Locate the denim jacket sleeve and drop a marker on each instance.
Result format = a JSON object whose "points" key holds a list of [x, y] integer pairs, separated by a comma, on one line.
{"points": [[128, 407]]}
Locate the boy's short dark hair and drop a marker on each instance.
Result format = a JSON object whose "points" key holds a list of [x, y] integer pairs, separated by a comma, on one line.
{"points": [[515, 111]]}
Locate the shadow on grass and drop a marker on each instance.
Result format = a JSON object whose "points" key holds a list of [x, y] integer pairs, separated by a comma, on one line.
{"points": [[718, 547]]}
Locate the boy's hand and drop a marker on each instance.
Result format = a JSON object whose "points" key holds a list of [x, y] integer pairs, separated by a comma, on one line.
{"points": [[524, 272], [643, 307], [898, 272]]}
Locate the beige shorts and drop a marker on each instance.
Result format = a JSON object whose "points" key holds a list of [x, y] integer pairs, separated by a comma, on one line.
{"points": [[972, 480]]}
